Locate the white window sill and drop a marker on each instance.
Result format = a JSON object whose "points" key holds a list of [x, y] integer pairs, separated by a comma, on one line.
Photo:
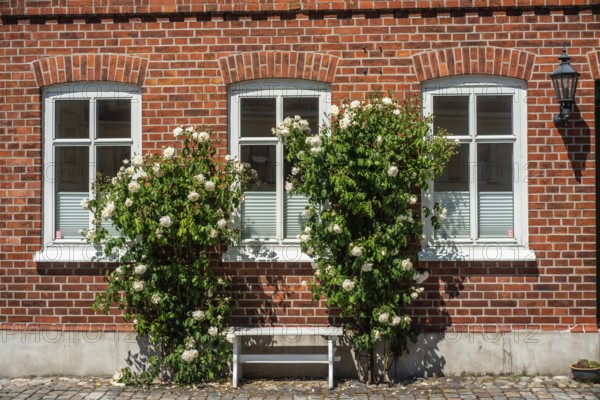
{"points": [[477, 252], [265, 251], [70, 252]]}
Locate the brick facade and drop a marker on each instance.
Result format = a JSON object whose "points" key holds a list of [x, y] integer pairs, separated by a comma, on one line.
{"points": [[184, 55]]}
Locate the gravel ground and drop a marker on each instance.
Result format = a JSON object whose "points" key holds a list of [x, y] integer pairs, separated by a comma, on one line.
{"points": [[467, 387]]}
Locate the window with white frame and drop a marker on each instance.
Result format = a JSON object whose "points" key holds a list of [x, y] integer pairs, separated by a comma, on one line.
{"points": [[483, 187], [268, 213], [89, 129]]}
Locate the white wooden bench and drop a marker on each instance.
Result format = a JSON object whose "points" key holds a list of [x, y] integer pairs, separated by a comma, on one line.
{"points": [[329, 332]]}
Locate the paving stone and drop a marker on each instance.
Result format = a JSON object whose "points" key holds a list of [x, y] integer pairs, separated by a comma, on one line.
{"points": [[445, 388]]}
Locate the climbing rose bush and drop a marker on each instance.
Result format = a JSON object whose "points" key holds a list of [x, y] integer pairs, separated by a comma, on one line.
{"points": [[169, 215], [364, 174]]}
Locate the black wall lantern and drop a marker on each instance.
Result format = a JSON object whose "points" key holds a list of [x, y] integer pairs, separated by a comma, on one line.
{"points": [[564, 80]]}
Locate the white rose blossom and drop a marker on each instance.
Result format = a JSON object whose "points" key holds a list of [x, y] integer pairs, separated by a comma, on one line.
{"points": [[395, 321], [407, 319], [413, 199], [156, 169], [85, 204], [230, 337], [200, 178], [209, 186], [345, 122], [396, 112], [128, 202], [348, 285], [337, 229], [315, 141], [367, 267], [168, 153], [222, 223], [214, 233], [177, 132], [193, 196], [304, 238], [137, 160], [118, 271], [189, 355], [190, 129], [334, 110], [392, 171], [138, 286], [442, 216], [377, 334], [203, 137], [140, 269], [357, 251], [387, 101], [213, 331], [289, 186], [133, 187], [406, 264], [198, 315], [295, 171], [383, 317], [355, 104], [155, 298], [166, 221]]}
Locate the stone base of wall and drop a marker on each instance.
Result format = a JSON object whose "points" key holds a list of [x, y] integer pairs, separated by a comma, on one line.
{"points": [[43, 353]]}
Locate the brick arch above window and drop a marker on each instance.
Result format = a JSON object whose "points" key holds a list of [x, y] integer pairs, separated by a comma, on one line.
{"points": [[483, 60], [90, 67], [278, 64]]}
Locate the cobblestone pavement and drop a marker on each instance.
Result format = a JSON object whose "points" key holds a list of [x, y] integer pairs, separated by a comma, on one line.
{"points": [[468, 388]]}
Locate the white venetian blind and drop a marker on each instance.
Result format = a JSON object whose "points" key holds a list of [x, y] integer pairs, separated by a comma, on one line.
{"points": [[496, 214], [70, 217], [258, 215], [456, 224], [294, 219]]}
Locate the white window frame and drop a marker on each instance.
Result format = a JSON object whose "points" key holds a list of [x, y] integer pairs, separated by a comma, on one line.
{"points": [[278, 248], [76, 250], [493, 249]]}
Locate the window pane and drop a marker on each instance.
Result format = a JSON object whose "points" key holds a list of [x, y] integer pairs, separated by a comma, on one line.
{"points": [[110, 158], [457, 223], [456, 174], [72, 185], [262, 159], [72, 119], [114, 119], [305, 107], [494, 115], [259, 219], [294, 218], [258, 116], [495, 190], [72, 169], [451, 114], [452, 192]]}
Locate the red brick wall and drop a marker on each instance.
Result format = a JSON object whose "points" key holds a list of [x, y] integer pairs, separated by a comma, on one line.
{"points": [[183, 61]]}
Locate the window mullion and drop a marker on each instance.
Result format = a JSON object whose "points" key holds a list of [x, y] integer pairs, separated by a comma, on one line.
{"points": [[474, 170], [92, 150], [280, 190]]}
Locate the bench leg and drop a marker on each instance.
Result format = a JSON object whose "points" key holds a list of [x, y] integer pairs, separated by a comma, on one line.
{"points": [[330, 360], [236, 363]]}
